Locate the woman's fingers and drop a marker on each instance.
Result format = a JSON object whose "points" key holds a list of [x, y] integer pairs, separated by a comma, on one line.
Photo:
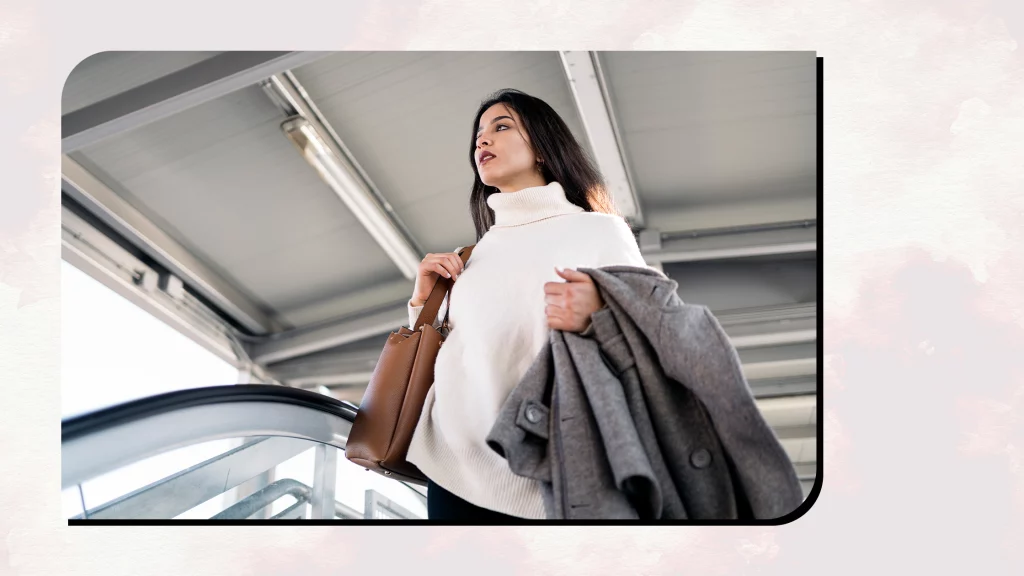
{"points": [[442, 270], [426, 265], [556, 317], [453, 271], [569, 304], [455, 264], [555, 287], [447, 265], [430, 263], [572, 275]]}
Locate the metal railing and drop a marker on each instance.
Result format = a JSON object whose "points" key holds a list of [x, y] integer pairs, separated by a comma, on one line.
{"points": [[180, 492], [266, 496], [275, 425]]}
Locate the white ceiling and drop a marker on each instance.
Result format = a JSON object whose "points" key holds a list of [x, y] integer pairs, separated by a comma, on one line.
{"points": [[701, 131], [710, 127]]}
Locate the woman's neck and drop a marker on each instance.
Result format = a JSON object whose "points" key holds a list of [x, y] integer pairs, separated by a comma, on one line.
{"points": [[531, 181]]}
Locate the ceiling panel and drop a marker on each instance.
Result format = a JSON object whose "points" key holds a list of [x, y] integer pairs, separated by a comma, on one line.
{"points": [[801, 449], [737, 284], [187, 136], [704, 128], [792, 412], [707, 129], [780, 352], [407, 117], [223, 180], [103, 75]]}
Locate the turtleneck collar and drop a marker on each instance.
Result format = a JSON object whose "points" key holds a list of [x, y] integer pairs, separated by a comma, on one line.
{"points": [[530, 205]]}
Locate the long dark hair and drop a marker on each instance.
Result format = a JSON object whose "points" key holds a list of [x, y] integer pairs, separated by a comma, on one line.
{"points": [[564, 160]]}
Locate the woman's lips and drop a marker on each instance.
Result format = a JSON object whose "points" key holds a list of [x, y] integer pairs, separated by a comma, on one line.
{"points": [[487, 159]]}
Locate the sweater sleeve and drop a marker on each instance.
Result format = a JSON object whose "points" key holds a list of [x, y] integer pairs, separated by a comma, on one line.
{"points": [[414, 313]]}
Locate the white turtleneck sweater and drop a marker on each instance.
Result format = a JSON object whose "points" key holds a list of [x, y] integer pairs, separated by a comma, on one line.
{"points": [[498, 327]]}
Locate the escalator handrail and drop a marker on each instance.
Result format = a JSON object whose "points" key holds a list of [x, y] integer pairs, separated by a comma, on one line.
{"points": [[104, 418]]}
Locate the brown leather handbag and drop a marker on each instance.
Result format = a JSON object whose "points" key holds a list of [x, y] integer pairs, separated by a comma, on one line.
{"points": [[394, 397]]}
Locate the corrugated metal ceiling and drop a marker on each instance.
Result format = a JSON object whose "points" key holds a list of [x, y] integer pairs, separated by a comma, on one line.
{"points": [[708, 128], [407, 117], [105, 74], [698, 129]]}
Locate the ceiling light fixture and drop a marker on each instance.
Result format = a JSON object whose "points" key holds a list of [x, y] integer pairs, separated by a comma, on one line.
{"points": [[350, 189]]}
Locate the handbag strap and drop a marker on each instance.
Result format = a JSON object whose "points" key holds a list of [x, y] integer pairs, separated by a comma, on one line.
{"points": [[441, 287], [465, 253]]}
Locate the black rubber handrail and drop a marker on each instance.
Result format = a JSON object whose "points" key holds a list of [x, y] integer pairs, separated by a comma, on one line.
{"points": [[94, 422]]}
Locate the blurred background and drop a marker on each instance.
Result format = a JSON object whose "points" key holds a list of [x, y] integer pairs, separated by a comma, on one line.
{"points": [[256, 217]]}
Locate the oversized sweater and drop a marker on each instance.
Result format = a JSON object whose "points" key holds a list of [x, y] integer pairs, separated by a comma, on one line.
{"points": [[498, 327]]}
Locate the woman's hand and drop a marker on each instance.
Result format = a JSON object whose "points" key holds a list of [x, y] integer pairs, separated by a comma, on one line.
{"points": [[448, 264], [570, 303]]}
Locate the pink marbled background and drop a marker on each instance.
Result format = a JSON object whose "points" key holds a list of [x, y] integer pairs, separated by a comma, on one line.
{"points": [[924, 321]]}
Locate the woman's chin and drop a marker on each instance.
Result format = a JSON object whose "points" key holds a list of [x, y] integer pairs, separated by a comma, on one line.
{"points": [[491, 181]]}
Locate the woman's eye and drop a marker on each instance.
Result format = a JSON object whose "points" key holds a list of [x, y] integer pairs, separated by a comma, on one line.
{"points": [[500, 126]]}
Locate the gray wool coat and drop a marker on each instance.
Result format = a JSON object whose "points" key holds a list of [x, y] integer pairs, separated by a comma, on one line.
{"points": [[646, 415]]}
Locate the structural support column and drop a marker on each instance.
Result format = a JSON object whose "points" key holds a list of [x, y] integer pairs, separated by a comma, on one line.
{"points": [[583, 71], [166, 96], [325, 475]]}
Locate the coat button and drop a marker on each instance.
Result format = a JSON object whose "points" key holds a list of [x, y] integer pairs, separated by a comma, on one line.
{"points": [[532, 414], [700, 458]]}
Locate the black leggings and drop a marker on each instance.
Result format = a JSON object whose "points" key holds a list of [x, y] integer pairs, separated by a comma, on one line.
{"points": [[443, 505]]}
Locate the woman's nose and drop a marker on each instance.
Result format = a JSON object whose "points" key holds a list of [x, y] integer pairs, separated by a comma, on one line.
{"points": [[481, 140]]}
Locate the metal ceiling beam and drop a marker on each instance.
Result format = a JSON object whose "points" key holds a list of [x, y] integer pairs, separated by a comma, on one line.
{"points": [[775, 353], [746, 212], [382, 294], [795, 432], [774, 339], [103, 203], [803, 450], [806, 470], [593, 102], [302, 342], [783, 387], [662, 248], [170, 94], [789, 412], [343, 369], [781, 369], [788, 314], [353, 371], [90, 251], [353, 385], [794, 422]]}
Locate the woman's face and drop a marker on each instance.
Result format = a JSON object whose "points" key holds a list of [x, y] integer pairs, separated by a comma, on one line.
{"points": [[504, 157]]}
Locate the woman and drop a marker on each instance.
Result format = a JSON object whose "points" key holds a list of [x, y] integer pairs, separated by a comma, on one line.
{"points": [[539, 206]]}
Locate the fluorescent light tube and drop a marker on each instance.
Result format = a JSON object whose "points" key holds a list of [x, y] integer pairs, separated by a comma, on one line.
{"points": [[350, 189]]}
